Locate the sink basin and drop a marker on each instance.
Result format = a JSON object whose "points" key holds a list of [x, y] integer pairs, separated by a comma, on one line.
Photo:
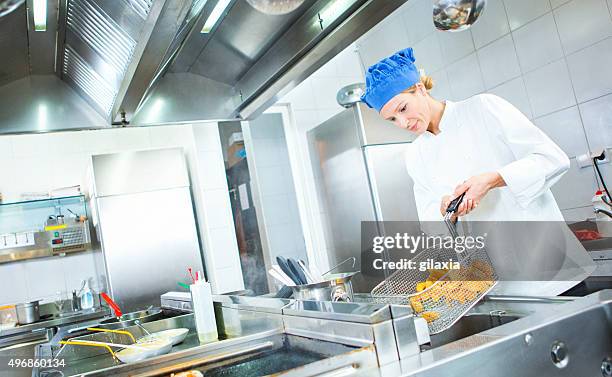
{"points": [[598, 245], [468, 325], [592, 245]]}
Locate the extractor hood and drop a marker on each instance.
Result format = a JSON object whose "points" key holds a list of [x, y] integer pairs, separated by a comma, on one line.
{"points": [[149, 61]]}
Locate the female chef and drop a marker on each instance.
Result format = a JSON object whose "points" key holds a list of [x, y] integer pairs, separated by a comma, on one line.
{"points": [[482, 146]]}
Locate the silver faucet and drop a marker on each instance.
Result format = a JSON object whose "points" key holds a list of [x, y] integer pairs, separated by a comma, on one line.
{"points": [[605, 212]]}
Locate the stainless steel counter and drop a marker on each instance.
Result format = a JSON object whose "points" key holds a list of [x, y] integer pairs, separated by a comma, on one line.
{"points": [[502, 336], [20, 342], [55, 321], [570, 337]]}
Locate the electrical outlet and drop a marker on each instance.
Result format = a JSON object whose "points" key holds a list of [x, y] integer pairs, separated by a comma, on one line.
{"points": [[586, 160]]}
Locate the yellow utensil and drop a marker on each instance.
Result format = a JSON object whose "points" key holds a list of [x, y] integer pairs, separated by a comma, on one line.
{"points": [[80, 343], [114, 331]]}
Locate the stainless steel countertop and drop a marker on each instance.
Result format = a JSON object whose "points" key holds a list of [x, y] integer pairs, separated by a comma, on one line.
{"points": [[56, 321], [522, 346]]}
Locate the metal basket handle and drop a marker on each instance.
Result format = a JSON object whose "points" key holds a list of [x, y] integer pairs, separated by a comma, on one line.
{"points": [[340, 264]]}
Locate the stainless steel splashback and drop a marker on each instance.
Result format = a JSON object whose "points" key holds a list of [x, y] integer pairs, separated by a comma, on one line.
{"points": [[373, 129], [392, 187], [360, 175], [341, 179], [140, 171], [145, 222]]}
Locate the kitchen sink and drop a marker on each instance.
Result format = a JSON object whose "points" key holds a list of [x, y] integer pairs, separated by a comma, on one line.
{"points": [[597, 245], [468, 325], [604, 243]]}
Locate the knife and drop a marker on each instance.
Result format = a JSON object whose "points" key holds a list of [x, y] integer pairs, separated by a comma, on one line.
{"points": [[284, 266], [295, 267]]}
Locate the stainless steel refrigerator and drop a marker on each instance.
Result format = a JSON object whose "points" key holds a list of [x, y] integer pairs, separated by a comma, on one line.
{"points": [[144, 218], [359, 168]]}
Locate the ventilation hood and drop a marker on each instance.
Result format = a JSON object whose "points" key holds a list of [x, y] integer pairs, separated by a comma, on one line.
{"points": [[148, 61]]}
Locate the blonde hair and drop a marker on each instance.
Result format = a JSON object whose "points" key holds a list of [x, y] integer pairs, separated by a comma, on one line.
{"points": [[427, 82]]}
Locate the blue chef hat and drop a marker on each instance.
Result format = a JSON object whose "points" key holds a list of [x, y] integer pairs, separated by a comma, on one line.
{"points": [[389, 77]]}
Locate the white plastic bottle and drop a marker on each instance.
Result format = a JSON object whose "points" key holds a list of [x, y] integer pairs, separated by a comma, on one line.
{"points": [[86, 297], [604, 222], [203, 311]]}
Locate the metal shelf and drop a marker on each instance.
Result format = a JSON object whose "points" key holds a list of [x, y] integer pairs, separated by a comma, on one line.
{"points": [[31, 229], [42, 203]]}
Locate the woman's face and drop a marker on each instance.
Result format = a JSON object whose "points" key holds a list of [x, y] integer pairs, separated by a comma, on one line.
{"points": [[409, 110]]}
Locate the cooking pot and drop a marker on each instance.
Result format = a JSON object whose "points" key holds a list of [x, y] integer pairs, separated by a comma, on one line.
{"points": [[27, 312], [336, 287]]}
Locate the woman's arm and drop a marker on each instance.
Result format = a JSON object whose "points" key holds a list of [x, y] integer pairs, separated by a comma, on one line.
{"points": [[539, 164]]}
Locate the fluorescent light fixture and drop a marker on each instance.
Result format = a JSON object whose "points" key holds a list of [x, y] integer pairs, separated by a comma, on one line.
{"points": [[214, 16], [333, 10], [43, 116], [40, 15]]}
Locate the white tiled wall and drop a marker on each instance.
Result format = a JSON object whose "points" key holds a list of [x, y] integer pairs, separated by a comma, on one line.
{"points": [[41, 279], [45, 161], [268, 147], [550, 58], [215, 211]]}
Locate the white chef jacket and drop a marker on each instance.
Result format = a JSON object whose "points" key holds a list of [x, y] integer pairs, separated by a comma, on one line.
{"points": [[483, 134]]}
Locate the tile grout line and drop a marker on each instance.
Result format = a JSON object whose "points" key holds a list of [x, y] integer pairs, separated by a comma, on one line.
{"points": [[579, 207], [528, 22], [522, 74], [584, 132], [575, 105]]}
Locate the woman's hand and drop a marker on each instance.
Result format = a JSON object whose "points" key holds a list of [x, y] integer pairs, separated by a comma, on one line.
{"points": [[475, 189], [465, 207]]}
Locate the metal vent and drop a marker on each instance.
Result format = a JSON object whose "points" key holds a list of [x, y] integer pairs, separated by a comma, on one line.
{"points": [[85, 78], [101, 33], [142, 7]]}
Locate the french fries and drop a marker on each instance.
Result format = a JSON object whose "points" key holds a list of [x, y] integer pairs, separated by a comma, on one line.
{"points": [[458, 286]]}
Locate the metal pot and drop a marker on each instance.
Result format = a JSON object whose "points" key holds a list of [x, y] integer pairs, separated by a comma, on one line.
{"points": [[338, 288], [130, 319], [28, 312]]}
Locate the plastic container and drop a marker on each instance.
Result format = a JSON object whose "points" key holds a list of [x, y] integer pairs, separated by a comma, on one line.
{"points": [[87, 301], [603, 221], [204, 312], [8, 317]]}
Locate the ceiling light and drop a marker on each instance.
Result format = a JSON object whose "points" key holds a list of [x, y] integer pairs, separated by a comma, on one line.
{"points": [[43, 115], [275, 7], [214, 16], [332, 11], [40, 15]]}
